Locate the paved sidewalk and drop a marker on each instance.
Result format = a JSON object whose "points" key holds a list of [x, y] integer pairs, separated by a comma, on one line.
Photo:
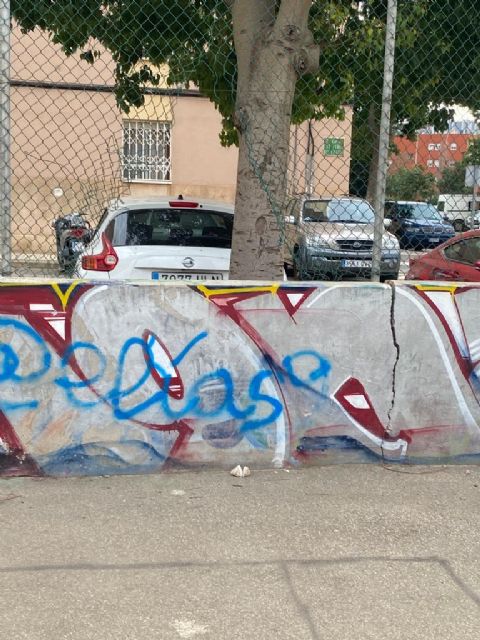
{"points": [[346, 552]]}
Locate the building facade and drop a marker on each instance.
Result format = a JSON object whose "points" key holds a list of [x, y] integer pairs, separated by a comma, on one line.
{"points": [[434, 152], [73, 149]]}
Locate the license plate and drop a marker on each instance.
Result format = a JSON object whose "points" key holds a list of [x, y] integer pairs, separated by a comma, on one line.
{"points": [[158, 275], [434, 239], [358, 264]]}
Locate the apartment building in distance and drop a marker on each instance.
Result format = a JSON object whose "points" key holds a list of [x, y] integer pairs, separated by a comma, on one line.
{"points": [[433, 151]]}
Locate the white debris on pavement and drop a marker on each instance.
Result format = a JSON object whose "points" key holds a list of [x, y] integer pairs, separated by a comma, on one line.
{"points": [[238, 472]]}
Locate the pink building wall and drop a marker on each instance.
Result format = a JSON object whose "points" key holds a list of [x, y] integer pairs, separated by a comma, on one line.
{"points": [[69, 139]]}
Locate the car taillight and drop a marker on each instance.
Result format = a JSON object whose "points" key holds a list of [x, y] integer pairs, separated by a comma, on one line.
{"points": [[184, 204], [104, 261], [78, 233]]}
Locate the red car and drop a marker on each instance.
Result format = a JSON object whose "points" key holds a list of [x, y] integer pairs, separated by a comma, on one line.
{"points": [[456, 259]]}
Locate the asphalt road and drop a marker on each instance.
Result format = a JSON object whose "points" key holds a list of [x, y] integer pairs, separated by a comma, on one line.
{"points": [[36, 266], [335, 553]]}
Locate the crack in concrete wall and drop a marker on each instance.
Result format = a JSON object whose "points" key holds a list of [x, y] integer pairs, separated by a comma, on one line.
{"points": [[397, 357]]}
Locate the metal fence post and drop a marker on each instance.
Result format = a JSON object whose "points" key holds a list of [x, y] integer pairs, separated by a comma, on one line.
{"points": [[5, 169], [384, 138], [476, 181]]}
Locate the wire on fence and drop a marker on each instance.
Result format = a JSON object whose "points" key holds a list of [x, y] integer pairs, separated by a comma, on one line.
{"points": [[356, 123]]}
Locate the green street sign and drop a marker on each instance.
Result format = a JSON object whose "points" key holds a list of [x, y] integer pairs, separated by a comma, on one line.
{"points": [[333, 147]]}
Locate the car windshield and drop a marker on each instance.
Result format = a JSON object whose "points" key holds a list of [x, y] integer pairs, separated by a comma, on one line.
{"points": [[420, 211], [341, 210], [184, 227]]}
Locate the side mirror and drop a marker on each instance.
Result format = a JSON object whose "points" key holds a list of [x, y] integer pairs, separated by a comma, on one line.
{"points": [[477, 265], [387, 222], [290, 219]]}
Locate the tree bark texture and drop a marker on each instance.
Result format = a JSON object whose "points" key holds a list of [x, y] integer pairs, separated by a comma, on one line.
{"points": [[273, 51]]}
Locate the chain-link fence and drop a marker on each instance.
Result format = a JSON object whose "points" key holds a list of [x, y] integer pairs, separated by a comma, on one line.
{"points": [[356, 123]]}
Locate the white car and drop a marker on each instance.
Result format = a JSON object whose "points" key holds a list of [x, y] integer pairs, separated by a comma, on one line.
{"points": [[160, 239]]}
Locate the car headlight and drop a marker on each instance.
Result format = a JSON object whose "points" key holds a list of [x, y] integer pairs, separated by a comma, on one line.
{"points": [[320, 243], [390, 242]]}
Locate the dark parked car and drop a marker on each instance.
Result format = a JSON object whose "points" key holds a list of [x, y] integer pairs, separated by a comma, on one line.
{"points": [[417, 225]]}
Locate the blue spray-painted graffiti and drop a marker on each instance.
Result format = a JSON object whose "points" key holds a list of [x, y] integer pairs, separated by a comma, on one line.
{"points": [[10, 364], [303, 368]]}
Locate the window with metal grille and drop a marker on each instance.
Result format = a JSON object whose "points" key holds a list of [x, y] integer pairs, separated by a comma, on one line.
{"points": [[146, 151]]}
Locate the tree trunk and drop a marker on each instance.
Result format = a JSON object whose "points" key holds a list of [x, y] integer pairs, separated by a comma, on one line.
{"points": [[272, 52]]}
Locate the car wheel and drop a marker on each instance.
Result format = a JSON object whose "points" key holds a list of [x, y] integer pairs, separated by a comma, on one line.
{"points": [[301, 273], [459, 226], [289, 270], [298, 267], [390, 276]]}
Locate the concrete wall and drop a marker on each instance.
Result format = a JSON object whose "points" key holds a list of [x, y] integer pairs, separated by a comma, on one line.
{"points": [[126, 378]]}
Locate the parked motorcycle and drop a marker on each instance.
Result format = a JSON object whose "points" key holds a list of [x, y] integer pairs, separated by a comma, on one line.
{"points": [[72, 234]]}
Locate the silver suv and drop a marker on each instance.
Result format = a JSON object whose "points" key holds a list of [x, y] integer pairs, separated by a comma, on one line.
{"points": [[332, 239]]}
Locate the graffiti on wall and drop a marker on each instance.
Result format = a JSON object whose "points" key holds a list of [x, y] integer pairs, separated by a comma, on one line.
{"points": [[124, 378]]}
